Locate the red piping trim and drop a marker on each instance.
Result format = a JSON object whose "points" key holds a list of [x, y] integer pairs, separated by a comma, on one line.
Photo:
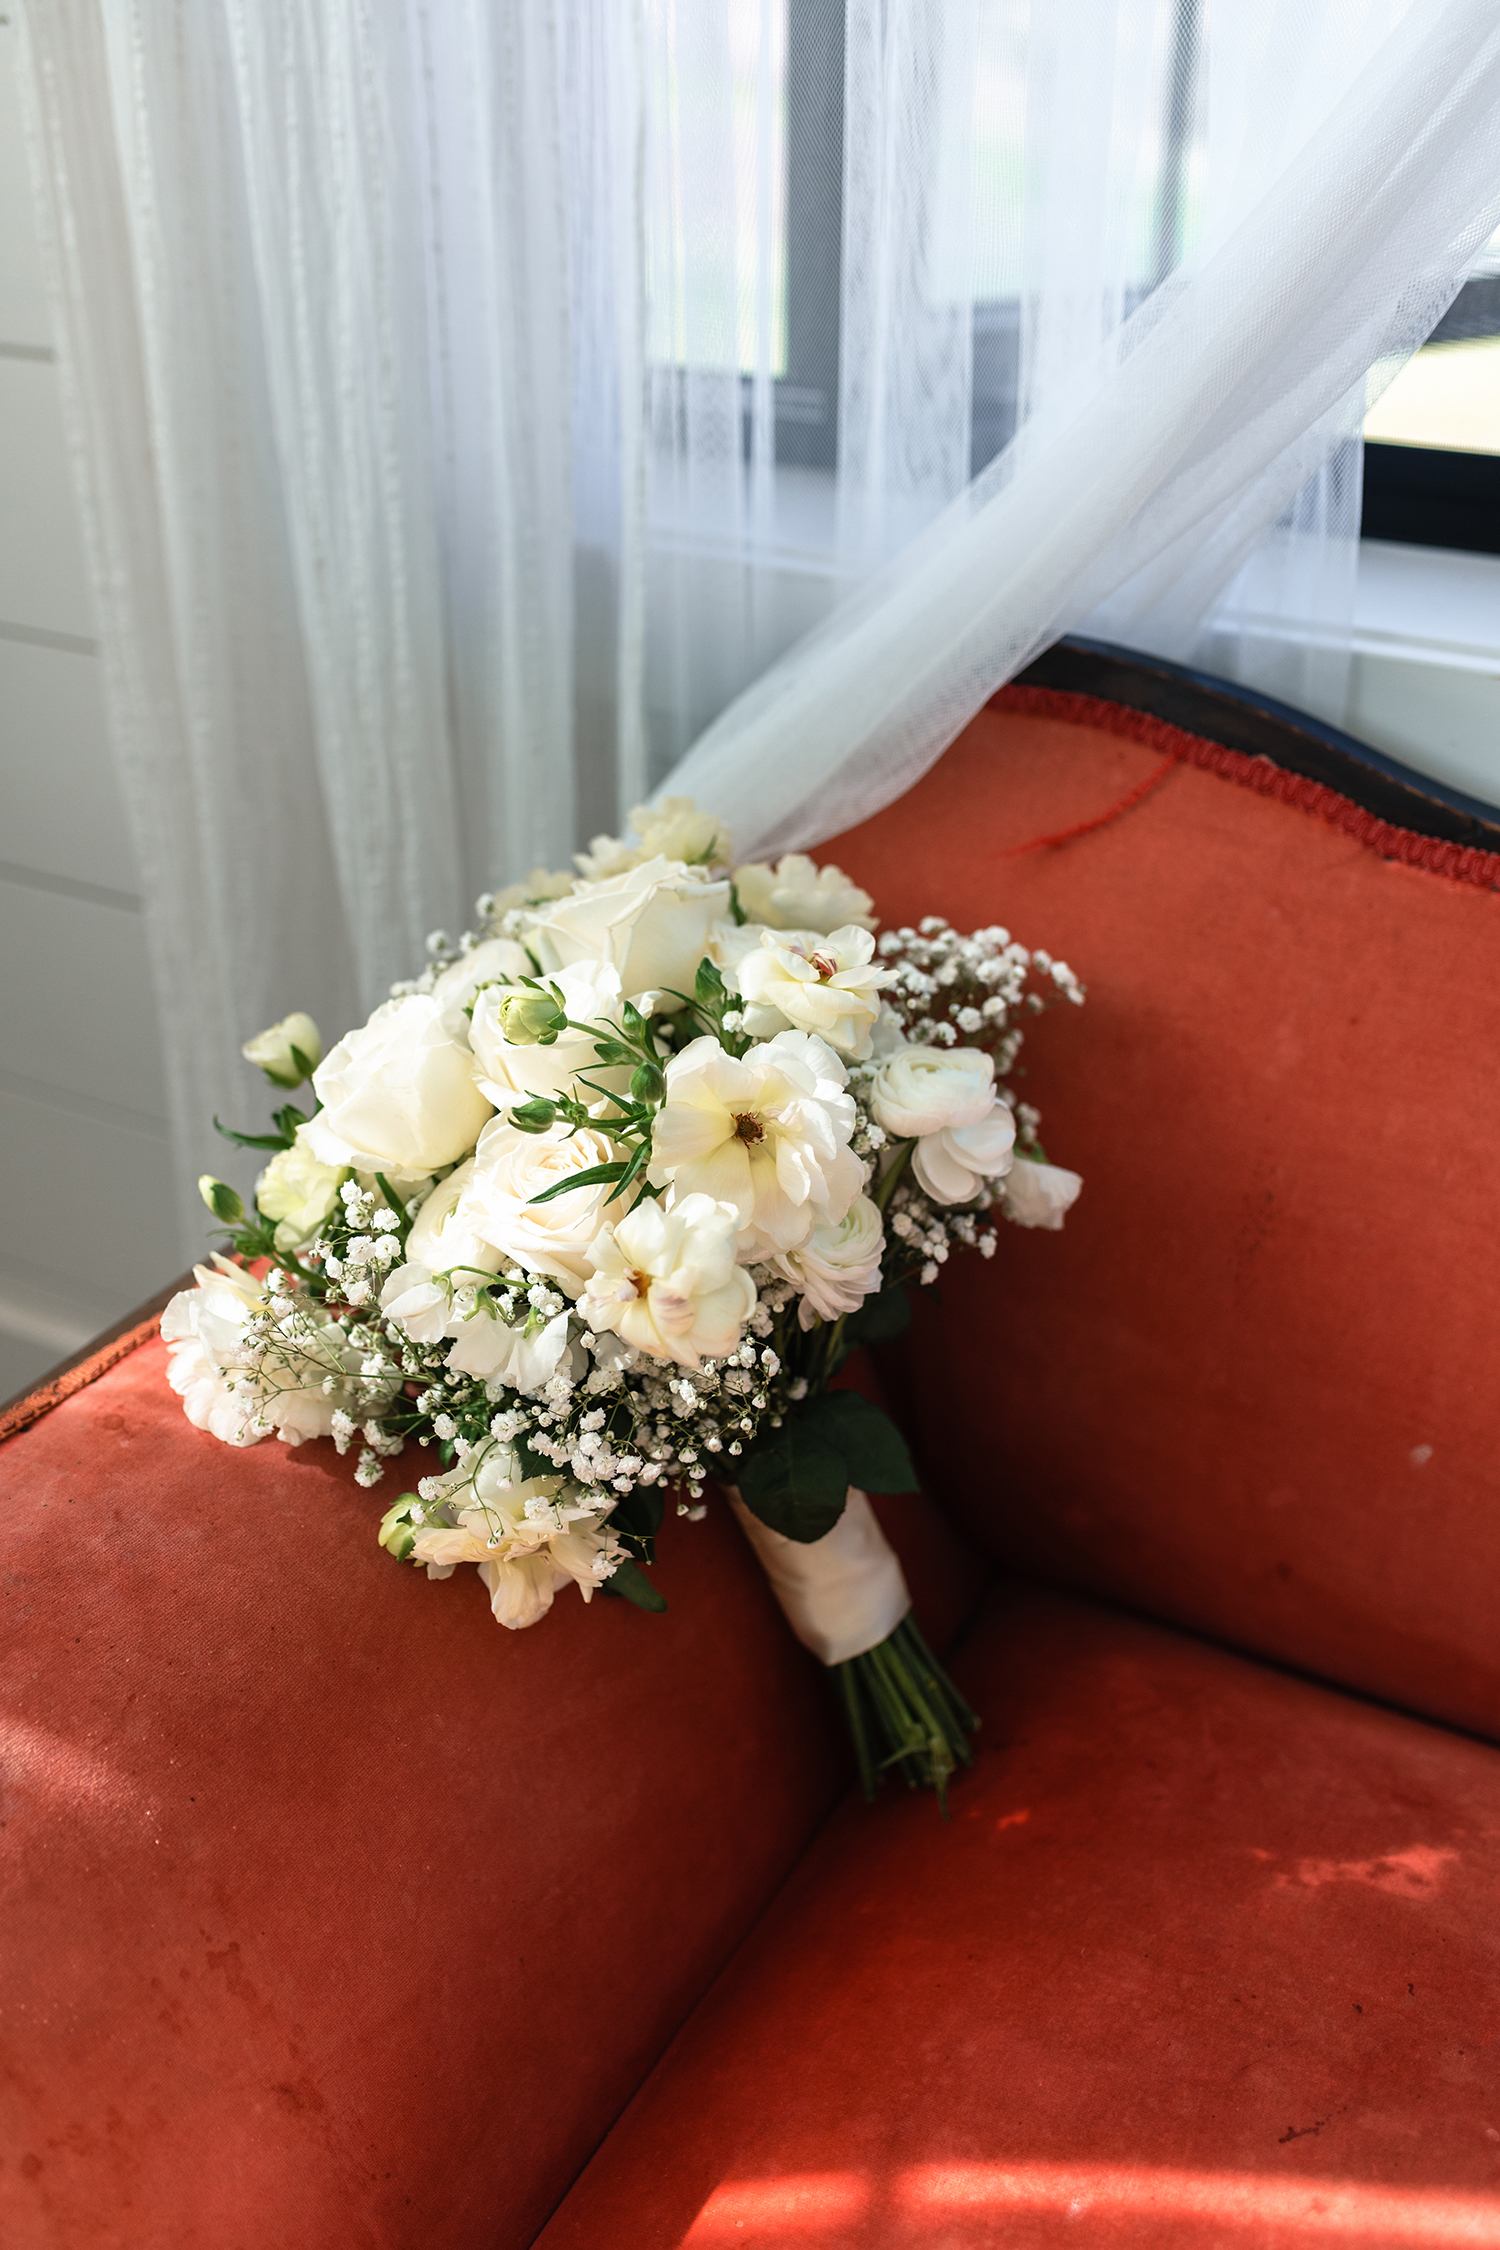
{"points": [[1459, 863]]}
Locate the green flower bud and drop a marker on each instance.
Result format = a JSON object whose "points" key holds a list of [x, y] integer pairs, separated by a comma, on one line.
{"points": [[529, 1014], [221, 1200], [647, 1083], [535, 1116], [397, 1534]]}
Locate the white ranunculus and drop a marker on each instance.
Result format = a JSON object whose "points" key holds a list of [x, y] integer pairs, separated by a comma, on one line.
{"points": [[797, 894], [444, 1242], [510, 1072], [961, 1163], [650, 924], [768, 1135], [526, 1534], [534, 889], [271, 1050], [512, 1167], [241, 1389], [666, 1281], [297, 1190], [837, 1267], [1039, 1195], [800, 980], [674, 829], [400, 1092], [497, 957], [928, 1089]]}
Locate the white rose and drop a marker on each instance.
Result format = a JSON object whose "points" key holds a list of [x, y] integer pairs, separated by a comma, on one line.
{"points": [[272, 1050], [821, 984], [1039, 1195], [399, 1093], [510, 1169], [797, 894], [768, 1135], [651, 924], [528, 1538], [297, 1190], [837, 1267], [496, 958], [666, 1281], [927, 1089], [509, 1072], [444, 1242], [957, 1164]]}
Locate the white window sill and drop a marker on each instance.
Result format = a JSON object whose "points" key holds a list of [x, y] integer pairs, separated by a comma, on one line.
{"points": [[1425, 683]]}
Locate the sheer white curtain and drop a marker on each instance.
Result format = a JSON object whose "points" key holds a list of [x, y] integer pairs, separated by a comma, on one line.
{"points": [[479, 403]]}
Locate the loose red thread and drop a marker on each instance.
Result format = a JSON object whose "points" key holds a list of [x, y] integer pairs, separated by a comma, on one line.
{"points": [[1458, 863]]}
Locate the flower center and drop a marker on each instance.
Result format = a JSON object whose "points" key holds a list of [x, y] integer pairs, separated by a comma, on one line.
{"points": [[749, 1128], [640, 1283], [825, 965]]}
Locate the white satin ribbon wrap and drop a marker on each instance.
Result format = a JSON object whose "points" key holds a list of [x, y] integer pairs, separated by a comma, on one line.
{"points": [[843, 1593]]}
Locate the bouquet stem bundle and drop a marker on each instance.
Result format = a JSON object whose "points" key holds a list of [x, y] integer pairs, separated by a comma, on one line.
{"points": [[904, 1713]]}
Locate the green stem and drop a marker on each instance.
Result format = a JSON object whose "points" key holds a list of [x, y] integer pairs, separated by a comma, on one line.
{"points": [[900, 1694]]}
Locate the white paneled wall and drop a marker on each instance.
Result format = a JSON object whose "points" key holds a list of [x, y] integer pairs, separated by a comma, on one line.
{"points": [[87, 1227]]}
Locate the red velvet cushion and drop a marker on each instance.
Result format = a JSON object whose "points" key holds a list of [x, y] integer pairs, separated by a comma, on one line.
{"points": [[1206, 1955], [1253, 1386], [335, 1914]]}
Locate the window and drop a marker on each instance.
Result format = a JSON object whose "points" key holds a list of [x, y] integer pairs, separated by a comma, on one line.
{"points": [[1432, 443]]}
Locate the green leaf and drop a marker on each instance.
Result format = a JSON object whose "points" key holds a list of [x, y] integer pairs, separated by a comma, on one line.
{"points": [[630, 1583], [533, 1464], [637, 1518], [795, 1481], [254, 1140], [304, 1068], [880, 1319], [872, 1448], [593, 1176]]}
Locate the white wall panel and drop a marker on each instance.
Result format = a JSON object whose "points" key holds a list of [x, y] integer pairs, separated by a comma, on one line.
{"points": [[62, 813], [78, 1012], [85, 1203], [23, 299], [43, 582]]}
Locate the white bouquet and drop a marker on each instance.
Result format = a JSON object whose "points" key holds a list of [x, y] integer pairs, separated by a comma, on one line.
{"points": [[596, 1208]]}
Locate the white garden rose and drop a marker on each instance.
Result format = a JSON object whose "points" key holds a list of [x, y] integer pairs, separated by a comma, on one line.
{"points": [[837, 1267], [920, 1090], [297, 1190], [510, 1169], [959, 1164], [483, 964], [242, 1388], [667, 1283], [399, 1094], [768, 1135], [650, 924], [510, 1071], [272, 1051], [797, 894], [527, 1535], [800, 980], [1039, 1195]]}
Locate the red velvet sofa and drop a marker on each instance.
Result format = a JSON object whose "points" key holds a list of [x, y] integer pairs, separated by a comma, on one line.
{"points": [[337, 1919]]}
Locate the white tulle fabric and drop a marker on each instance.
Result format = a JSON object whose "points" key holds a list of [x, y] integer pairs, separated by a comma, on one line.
{"points": [[474, 401], [841, 1594]]}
